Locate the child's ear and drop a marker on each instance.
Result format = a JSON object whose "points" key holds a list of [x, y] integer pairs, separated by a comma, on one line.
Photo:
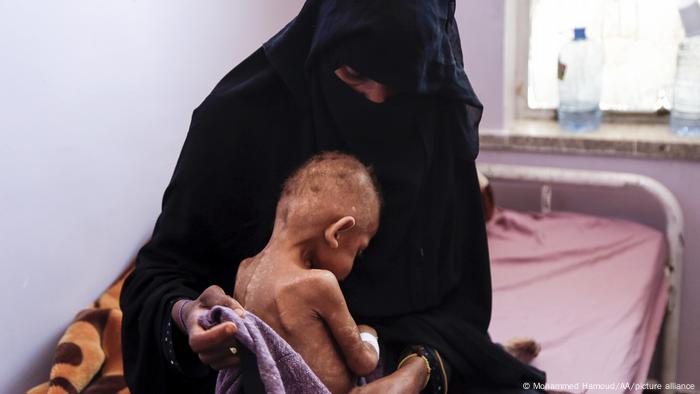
{"points": [[343, 224]]}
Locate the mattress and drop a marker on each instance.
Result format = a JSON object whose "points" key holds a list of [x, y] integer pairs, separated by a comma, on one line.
{"points": [[590, 290]]}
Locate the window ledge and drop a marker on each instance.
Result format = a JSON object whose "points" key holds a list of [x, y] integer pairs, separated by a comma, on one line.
{"points": [[612, 139]]}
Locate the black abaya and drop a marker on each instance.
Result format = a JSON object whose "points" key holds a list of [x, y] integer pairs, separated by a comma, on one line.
{"points": [[425, 278]]}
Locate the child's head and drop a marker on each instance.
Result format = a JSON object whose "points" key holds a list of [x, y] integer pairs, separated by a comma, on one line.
{"points": [[336, 197]]}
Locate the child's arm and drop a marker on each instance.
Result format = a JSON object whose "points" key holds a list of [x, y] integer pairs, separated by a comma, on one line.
{"points": [[329, 303]]}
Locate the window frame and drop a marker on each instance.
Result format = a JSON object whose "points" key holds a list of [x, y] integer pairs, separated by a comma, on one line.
{"points": [[517, 47]]}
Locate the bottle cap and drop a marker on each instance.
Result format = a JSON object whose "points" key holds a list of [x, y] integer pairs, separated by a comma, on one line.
{"points": [[580, 33]]}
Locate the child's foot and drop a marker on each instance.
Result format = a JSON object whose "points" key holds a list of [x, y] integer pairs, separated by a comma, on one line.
{"points": [[524, 349]]}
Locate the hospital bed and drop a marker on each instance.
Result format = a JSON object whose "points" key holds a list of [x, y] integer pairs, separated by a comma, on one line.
{"points": [[595, 288]]}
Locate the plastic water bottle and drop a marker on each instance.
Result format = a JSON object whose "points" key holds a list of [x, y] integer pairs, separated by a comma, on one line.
{"points": [[690, 16], [685, 115], [580, 80]]}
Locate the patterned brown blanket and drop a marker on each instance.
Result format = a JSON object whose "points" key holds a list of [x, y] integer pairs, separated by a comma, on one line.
{"points": [[88, 358]]}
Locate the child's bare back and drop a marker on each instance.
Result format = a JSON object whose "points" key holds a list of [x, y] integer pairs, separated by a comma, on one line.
{"points": [[292, 302], [293, 284]]}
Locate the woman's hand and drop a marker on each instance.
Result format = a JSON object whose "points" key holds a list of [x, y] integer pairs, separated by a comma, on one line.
{"points": [[215, 347], [408, 379]]}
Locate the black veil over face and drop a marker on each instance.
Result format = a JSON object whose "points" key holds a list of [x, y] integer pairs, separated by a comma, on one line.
{"points": [[425, 277], [420, 141], [411, 45]]}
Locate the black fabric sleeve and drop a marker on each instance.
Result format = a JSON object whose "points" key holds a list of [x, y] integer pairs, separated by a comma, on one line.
{"points": [[217, 209], [204, 206], [176, 350]]}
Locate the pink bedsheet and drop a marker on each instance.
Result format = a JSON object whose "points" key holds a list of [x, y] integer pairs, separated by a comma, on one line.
{"points": [[591, 290]]}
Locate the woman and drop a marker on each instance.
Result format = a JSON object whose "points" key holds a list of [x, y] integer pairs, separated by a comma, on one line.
{"points": [[384, 81]]}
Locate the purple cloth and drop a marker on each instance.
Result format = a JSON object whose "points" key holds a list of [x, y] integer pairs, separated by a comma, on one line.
{"points": [[282, 370]]}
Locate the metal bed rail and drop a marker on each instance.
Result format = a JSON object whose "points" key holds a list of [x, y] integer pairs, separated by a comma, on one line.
{"points": [[674, 232]]}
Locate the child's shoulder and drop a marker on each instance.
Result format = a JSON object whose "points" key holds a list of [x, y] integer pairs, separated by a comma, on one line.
{"points": [[243, 275], [324, 280], [315, 284], [244, 266], [323, 276]]}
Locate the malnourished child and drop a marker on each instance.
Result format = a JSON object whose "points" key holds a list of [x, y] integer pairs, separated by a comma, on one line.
{"points": [[326, 216]]}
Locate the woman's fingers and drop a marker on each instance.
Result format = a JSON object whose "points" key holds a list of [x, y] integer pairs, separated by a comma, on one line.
{"points": [[217, 356], [213, 346], [228, 363], [219, 337], [220, 361], [233, 304], [215, 295]]}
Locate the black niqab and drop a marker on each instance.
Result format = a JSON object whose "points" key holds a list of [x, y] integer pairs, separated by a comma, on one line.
{"points": [[425, 278], [413, 47]]}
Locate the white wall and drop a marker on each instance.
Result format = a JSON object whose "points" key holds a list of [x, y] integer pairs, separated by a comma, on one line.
{"points": [[95, 101], [480, 25]]}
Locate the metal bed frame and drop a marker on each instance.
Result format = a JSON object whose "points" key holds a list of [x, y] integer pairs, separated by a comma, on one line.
{"points": [[548, 176]]}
